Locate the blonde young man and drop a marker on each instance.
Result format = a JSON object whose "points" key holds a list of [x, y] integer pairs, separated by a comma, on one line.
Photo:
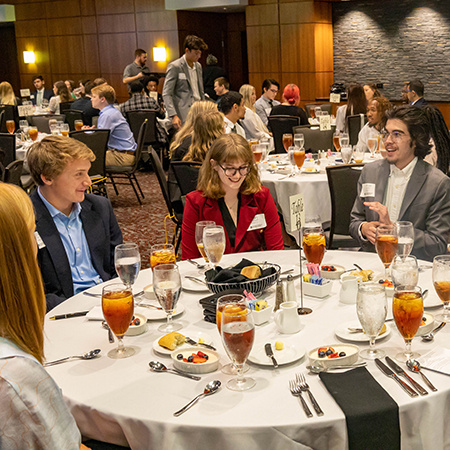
{"points": [[76, 232]]}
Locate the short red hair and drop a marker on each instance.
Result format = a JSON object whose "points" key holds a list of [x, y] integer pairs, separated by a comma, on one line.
{"points": [[292, 94]]}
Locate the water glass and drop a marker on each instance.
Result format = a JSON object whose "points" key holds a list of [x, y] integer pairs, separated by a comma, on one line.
{"points": [[405, 232], [346, 154], [214, 243], [127, 261], [405, 271]]}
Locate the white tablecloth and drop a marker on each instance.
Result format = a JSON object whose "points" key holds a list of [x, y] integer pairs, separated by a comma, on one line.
{"points": [[121, 401]]}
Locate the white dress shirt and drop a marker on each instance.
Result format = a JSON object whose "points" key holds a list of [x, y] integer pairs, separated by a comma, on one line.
{"points": [[194, 80], [364, 135], [231, 127]]}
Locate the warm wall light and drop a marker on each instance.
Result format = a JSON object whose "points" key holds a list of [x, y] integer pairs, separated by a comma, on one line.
{"points": [[29, 57], [159, 54]]}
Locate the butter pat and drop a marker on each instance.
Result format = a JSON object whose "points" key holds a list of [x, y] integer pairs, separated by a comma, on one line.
{"points": [[279, 345]]}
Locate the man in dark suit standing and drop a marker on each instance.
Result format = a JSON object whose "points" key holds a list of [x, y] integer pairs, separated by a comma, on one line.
{"points": [[40, 93], [415, 93], [76, 232]]}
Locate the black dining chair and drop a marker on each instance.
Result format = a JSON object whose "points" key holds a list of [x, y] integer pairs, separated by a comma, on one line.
{"points": [[324, 107], [9, 113], [7, 148], [315, 139], [279, 126], [343, 183], [186, 174], [13, 172], [354, 125], [71, 116], [64, 106], [41, 122]]}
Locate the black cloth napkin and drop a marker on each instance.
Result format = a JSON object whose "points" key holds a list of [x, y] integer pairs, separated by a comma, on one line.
{"points": [[371, 413], [209, 303], [233, 274]]}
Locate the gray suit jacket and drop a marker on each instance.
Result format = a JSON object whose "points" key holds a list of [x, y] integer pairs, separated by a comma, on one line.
{"points": [[426, 204], [177, 93]]}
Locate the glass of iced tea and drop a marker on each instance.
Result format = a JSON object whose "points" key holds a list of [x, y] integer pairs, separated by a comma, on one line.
{"points": [[33, 133], [337, 142], [258, 152], [162, 254], [199, 227], [288, 141], [441, 281], [214, 243], [313, 242], [407, 307], [64, 129], [238, 335], [78, 125], [118, 308], [10, 126], [386, 244]]}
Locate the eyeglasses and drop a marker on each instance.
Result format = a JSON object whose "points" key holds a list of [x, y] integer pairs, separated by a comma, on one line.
{"points": [[231, 171], [275, 91], [396, 136]]}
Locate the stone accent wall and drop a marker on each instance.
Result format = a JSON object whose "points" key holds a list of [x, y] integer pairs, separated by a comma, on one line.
{"points": [[392, 42]]}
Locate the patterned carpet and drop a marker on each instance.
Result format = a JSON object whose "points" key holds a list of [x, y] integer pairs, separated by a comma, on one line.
{"points": [[143, 225]]}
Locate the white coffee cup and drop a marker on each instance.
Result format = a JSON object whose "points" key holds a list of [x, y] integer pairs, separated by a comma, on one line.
{"points": [[287, 318], [349, 289]]}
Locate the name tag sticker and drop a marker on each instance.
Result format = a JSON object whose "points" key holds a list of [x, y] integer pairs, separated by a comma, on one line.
{"points": [[368, 190], [182, 76], [40, 243], [259, 221]]}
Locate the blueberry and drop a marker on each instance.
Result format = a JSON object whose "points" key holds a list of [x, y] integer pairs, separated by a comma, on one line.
{"points": [[205, 356], [381, 281], [424, 319], [329, 352], [179, 356], [137, 322], [321, 354], [342, 354], [191, 358]]}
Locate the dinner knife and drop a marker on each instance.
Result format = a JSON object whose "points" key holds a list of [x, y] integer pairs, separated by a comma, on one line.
{"points": [[399, 371], [269, 353], [388, 372]]}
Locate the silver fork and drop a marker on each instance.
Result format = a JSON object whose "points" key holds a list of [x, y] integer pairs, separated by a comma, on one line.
{"points": [[297, 392], [301, 381]]}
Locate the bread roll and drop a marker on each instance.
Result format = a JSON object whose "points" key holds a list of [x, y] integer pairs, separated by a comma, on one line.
{"points": [[171, 340]]}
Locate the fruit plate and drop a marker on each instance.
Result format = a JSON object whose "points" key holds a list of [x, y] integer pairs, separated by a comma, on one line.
{"points": [[291, 352], [342, 332], [351, 357], [195, 335], [332, 275], [136, 330], [210, 365]]}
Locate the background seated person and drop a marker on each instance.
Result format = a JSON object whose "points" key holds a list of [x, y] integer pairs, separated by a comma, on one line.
{"points": [[356, 104], [7, 96], [289, 107], [151, 85], [84, 104], [33, 413], [253, 125], [230, 193], [121, 144], [62, 95], [78, 232], [232, 106], [403, 186]]}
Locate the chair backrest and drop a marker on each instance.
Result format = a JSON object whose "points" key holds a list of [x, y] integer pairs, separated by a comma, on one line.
{"points": [[10, 113], [2, 120], [315, 139], [343, 182], [354, 124], [161, 176], [41, 122], [13, 172], [186, 174], [8, 148], [136, 118], [140, 144], [279, 126], [71, 116], [64, 106], [97, 141]]}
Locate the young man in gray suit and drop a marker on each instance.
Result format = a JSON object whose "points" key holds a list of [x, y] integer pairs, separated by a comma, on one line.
{"points": [[184, 81], [403, 187]]}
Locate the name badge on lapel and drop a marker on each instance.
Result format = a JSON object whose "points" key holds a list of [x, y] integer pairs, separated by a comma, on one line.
{"points": [[259, 221], [40, 243], [368, 190], [182, 76]]}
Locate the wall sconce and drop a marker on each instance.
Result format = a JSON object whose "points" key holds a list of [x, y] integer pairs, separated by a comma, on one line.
{"points": [[29, 57], [159, 54]]}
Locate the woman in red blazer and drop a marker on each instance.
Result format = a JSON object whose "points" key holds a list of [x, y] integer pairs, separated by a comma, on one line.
{"points": [[230, 193]]}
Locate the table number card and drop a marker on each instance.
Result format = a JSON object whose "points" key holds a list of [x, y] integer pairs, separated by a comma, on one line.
{"points": [[335, 98], [325, 123], [24, 92], [153, 95], [25, 110], [297, 209]]}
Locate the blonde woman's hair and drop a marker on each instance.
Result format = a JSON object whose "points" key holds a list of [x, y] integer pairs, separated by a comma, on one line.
{"points": [[207, 128], [50, 156], [228, 149], [246, 91], [22, 298], [7, 96], [195, 110]]}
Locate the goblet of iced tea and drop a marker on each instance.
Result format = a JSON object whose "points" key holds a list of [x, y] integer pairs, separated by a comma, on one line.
{"points": [[288, 141], [10, 126], [441, 281], [33, 133], [238, 335], [407, 308], [118, 308], [299, 157], [162, 254], [258, 152], [386, 244], [336, 142], [64, 129], [313, 243], [78, 124]]}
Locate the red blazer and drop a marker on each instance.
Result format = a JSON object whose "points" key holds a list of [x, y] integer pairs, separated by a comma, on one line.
{"points": [[199, 208]]}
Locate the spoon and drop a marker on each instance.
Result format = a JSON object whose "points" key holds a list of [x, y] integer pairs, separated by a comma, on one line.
{"points": [[156, 366], [89, 355], [414, 366], [91, 294], [357, 266], [318, 369], [110, 333], [196, 264], [211, 388], [430, 336]]}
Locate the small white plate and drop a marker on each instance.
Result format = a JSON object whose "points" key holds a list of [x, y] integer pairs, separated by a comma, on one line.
{"points": [[289, 354], [195, 335], [309, 172], [136, 330], [284, 170], [352, 352], [157, 314], [342, 332], [193, 286], [432, 300]]}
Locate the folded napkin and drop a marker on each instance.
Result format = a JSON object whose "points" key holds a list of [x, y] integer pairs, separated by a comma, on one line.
{"points": [[371, 413], [233, 274], [209, 303]]}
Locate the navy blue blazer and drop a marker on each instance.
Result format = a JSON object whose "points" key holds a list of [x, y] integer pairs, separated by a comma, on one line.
{"points": [[48, 93], [102, 234]]}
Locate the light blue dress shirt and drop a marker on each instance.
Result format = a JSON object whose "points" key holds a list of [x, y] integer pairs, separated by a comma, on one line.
{"points": [[121, 137], [74, 240]]}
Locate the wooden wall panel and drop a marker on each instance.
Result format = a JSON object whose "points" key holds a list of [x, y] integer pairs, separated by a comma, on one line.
{"points": [[90, 44], [116, 51], [149, 5], [31, 28], [29, 11], [116, 23], [323, 35], [113, 7], [64, 26], [323, 82], [40, 47], [262, 15], [156, 21], [264, 49], [64, 8], [296, 12], [167, 39], [67, 54], [297, 48], [89, 24], [87, 7]]}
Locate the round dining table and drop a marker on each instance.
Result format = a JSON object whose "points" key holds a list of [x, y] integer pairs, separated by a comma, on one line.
{"points": [[121, 401]]}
